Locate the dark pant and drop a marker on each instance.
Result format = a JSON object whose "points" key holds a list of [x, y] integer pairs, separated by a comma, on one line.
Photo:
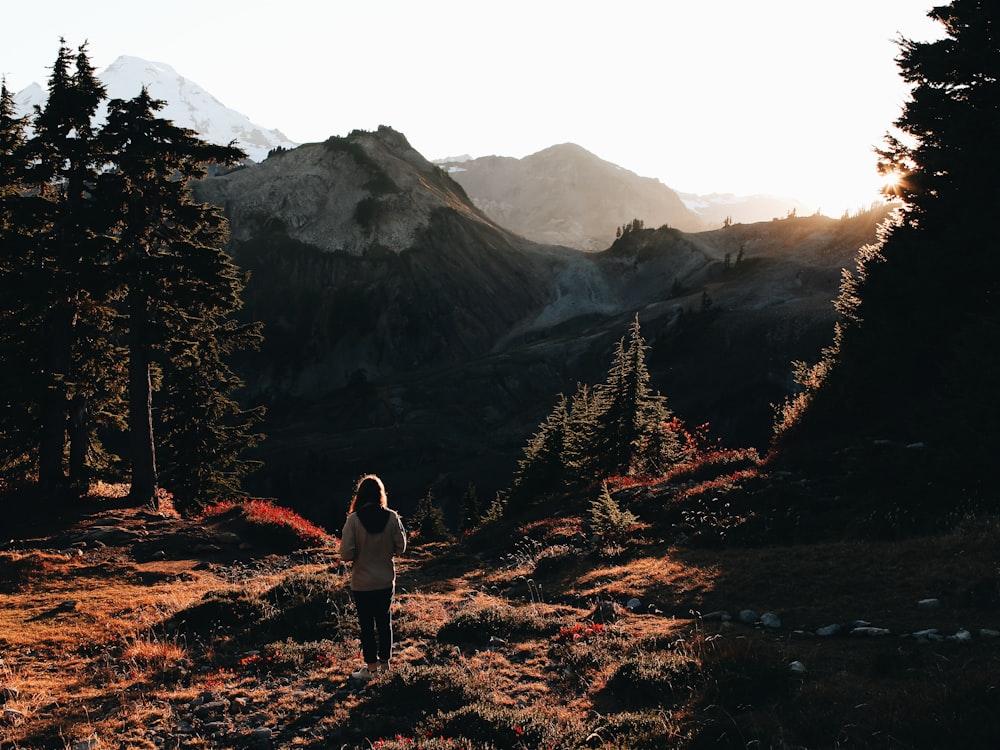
{"points": [[373, 615]]}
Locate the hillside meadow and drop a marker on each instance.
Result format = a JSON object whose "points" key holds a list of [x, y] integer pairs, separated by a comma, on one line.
{"points": [[133, 628]]}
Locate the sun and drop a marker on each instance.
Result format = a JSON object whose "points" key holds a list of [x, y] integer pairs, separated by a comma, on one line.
{"points": [[893, 182]]}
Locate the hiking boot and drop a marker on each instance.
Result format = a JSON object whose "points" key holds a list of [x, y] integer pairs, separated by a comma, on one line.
{"points": [[362, 675]]}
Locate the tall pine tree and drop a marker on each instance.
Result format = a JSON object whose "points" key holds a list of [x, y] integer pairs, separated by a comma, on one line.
{"points": [[180, 292], [542, 470], [629, 415], [67, 285], [16, 375], [914, 360]]}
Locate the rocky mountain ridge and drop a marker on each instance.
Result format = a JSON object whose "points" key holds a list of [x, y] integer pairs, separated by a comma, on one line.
{"points": [[406, 331], [566, 195]]}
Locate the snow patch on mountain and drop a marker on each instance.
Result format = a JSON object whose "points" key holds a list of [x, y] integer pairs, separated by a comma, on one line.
{"points": [[188, 105]]}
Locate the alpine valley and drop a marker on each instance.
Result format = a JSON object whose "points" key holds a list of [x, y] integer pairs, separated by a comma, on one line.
{"points": [[421, 318]]}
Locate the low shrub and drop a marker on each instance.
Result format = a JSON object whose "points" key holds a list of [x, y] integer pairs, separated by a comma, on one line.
{"points": [[218, 612], [410, 694], [652, 680], [268, 524], [477, 626], [485, 724], [307, 606], [737, 672], [710, 464], [653, 729]]}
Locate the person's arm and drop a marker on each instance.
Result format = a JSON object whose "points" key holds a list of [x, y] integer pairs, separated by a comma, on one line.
{"points": [[348, 545], [399, 537]]}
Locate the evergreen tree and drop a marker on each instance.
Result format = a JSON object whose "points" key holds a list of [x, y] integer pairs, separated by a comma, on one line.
{"points": [[471, 510], [580, 455], [627, 411], [920, 313], [64, 285], [608, 519], [19, 367], [428, 520], [542, 471], [180, 292]]}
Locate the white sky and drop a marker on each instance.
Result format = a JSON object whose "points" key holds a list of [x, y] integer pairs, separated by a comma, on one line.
{"points": [[787, 97]]}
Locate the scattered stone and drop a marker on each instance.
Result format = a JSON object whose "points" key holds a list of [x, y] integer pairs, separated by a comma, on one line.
{"points": [[797, 667], [212, 709], [926, 634], [719, 615], [67, 605], [868, 630], [828, 630], [633, 604], [770, 620], [261, 733], [747, 616], [8, 693], [989, 633], [916, 446], [929, 604], [962, 636], [90, 744]]}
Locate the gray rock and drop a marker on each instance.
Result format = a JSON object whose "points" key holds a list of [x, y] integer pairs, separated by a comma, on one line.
{"points": [[770, 620], [828, 630], [719, 615], [797, 667], [868, 630], [90, 744], [962, 636], [8, 693], [633, 604], [929, 604], [212, 709], [747, 616], [989, 633]]}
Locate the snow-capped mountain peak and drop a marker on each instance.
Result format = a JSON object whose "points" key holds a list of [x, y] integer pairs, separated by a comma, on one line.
{"points": [[188, 105]]}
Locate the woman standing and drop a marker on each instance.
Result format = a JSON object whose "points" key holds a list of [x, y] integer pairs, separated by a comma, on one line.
{"points": [[371, 537]]}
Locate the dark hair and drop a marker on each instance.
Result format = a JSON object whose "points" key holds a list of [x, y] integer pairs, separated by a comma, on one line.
{"points": [[369, 491]]}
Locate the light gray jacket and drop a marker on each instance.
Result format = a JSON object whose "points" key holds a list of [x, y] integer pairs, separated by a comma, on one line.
{"points": [[371, 553]]}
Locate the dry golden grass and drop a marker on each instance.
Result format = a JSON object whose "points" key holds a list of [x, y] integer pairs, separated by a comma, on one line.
{"points": [[83, 640]]}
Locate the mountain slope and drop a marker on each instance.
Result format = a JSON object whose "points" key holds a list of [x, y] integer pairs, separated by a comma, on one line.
{"points": [[188, 105], [407, 333], [564, 195]]}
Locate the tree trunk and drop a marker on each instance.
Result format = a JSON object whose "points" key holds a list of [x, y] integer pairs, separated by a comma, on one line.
{"points": [[79, 443], [58, 358], [140, 409]]}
